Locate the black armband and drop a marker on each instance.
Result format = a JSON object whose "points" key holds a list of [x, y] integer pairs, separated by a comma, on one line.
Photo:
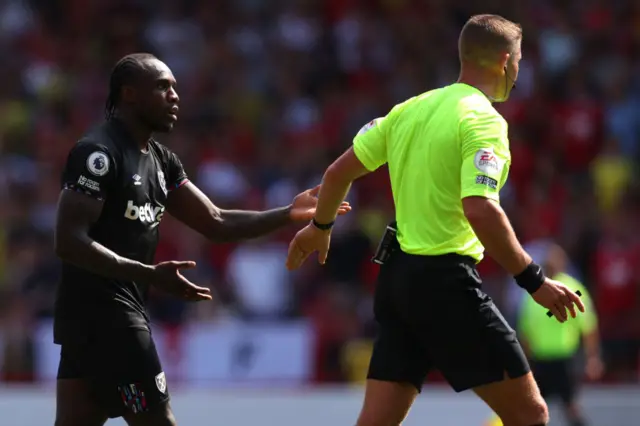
{"points": [[531, 279]]}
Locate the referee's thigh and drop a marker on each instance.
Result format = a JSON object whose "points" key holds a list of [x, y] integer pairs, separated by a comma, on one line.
{"points": [[466, 337], [516, 401], [398, 365], [398, 355]]}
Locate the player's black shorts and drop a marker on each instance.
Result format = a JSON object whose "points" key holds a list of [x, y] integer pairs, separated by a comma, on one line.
{"points": [[556, 378], [122, 368], [432, 314]]}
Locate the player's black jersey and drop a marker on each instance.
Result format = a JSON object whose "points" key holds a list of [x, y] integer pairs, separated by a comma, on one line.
{"points": [[107, 164]]}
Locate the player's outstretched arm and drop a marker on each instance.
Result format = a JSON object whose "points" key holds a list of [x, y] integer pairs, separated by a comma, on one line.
{"points": [[193, 208], [77, 212]]}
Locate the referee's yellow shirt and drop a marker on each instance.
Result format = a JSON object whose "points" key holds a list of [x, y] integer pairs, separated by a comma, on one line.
{"points": [[441, 146]]}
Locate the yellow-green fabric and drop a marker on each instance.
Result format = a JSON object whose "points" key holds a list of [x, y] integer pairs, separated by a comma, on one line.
{"points": [[441, 146]]}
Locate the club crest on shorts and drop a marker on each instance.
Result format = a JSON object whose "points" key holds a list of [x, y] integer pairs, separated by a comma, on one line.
{"points": [[163, 182], [161, 382], [98, 163]]}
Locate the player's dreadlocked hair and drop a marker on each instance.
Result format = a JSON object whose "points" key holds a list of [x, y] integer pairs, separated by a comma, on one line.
{"points": [[124, 72]]}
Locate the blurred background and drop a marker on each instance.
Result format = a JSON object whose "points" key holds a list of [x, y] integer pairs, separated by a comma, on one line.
{"points": [[271, 92]]}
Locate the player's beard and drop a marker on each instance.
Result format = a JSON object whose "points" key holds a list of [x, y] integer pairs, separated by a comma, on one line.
{"points": [[157, 125], [166, 127]]}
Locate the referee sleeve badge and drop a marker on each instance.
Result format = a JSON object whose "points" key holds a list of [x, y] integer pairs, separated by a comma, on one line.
{"points": [[370, 125], [487, 161]]}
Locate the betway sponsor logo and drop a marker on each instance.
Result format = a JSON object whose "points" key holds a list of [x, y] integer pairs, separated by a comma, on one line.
{"points": [[147, 213]]}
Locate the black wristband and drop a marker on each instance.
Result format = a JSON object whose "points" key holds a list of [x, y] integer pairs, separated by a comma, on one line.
{"points": [[531, 279], [322, 226]]}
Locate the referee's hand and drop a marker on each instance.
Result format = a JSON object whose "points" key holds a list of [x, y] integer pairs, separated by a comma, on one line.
{"points": [[557, 298], [306, 241]]}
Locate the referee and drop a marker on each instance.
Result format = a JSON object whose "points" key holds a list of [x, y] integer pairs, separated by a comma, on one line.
{"points": [[448, 156]]}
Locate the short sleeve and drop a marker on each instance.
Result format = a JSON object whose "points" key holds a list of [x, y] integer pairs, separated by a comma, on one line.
{"points": [[175, 172], [370, 144], [485, 155], [90, 169]]}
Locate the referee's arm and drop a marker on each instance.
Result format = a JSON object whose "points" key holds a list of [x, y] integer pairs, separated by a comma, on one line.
{"points": [[485, 156], [369, 151], [485, 163], [492, 227]]}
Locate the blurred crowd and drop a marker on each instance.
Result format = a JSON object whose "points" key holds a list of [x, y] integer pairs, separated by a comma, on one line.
{"points": [[271, 92]]}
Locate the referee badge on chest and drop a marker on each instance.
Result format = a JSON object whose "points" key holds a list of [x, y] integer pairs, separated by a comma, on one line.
{"points": [[162, 181]]}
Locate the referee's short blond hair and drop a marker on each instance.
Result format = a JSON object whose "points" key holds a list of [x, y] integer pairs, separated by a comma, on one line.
{"points": [[484, 37]]}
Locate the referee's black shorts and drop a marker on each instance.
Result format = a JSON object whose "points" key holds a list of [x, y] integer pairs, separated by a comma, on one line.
{"points": [[433, 314], [122, 368]]}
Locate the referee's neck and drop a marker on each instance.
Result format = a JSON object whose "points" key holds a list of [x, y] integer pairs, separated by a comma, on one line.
{"points": [[482, 80]]}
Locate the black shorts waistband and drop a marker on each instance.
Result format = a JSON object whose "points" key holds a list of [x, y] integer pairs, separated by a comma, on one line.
{"points": [[449, 259]]}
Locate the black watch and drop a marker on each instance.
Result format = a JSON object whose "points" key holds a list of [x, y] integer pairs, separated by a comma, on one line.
{"points": [[322, 226]]}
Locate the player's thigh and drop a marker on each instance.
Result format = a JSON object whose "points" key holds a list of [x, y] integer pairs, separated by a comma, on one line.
{"points": [[76, 404], [397, 369], [129, 379], [517, 401]]}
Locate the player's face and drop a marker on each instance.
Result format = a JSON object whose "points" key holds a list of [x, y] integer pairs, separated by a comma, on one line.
{"points": [[158, 101]]}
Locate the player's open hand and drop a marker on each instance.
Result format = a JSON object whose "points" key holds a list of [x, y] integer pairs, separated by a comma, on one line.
{"points": [[557, 298], [167, 277], [304, 205], [306, 241]]}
